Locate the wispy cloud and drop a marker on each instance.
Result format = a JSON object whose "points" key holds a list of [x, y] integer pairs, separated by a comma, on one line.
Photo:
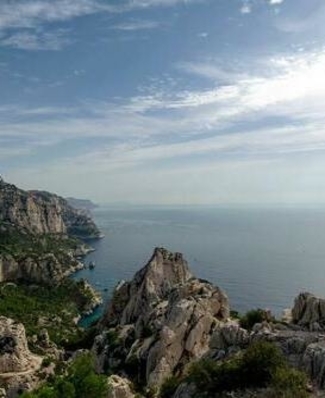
{"points": [[275, 2], [246, 8], [20, 21], [28, 14], [30, 40], [31, 13], [133, 25], [211, 70], [197, 122], [304, 18]]}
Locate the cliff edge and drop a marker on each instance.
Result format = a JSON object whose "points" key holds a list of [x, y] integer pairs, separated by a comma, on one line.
{"points": [[40, 235]]}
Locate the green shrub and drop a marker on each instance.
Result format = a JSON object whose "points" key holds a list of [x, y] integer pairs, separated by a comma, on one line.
{"points": [[80, 381], [252, 317], [234, 314], [259, 362], [29, 304], [210, 376], [46, 362], [289, 383], [169, 387], [261, 365]]}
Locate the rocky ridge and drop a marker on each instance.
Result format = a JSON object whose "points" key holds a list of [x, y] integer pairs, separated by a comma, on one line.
{"points": [[39, 236], [160, 321], [40, 212], [164, 319]]}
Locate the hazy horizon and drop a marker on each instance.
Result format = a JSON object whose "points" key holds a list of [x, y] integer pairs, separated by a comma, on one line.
{"points": [[167, 102]]}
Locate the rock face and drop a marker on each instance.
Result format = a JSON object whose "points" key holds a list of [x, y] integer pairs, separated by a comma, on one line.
{"points": [[160, 320], [309, 312], [314, 362], [118, 387], [302, 348], [39, 212], [14, 353], [46, 269], [38, 235], [18, 366]]}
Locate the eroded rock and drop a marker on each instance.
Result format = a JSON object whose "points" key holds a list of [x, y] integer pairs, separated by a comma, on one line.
{"points": [[161, 320], [14, 353], [119, 387], [309, 311]]}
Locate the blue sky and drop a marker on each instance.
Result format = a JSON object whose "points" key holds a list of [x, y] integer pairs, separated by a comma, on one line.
{"points": [[165, 101]]}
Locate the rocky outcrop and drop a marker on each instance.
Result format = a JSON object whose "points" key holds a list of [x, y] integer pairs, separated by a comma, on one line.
{"points": [[309, 311], [314, 362], [39, 234], [18, 366], [14, 353], [38, 212], [160, 320], [302, 348], [45, 269], [119, 387], [91, 298]]}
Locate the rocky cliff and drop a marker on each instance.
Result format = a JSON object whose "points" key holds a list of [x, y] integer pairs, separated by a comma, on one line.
{"points": [[39, 234], [39, 212], [159, 321]]}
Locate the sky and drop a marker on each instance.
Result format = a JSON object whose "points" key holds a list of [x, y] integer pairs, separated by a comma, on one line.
{"points": [[173, 102]]}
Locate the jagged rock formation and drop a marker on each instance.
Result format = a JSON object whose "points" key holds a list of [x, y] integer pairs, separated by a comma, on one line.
{"points": [[35, 235], [314, 362], [309, 311], [160, 320], [118, 387], [18, 366], [14, 353], [303, 349]]}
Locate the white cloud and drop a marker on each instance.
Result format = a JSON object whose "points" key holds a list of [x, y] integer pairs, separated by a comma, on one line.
{"points": [[214, 126], [211, 70], [28, 14], [26, 40], [22, 19], [303, 18], [274, 2], [31, 13], [203, 35], [246, 8], [131, 26]]}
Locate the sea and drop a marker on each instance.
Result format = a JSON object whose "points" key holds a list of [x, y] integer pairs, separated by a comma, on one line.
{"points": [[261, 257]]}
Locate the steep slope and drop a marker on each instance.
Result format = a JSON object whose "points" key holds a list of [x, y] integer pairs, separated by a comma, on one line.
{"points": [[39, 235], [39, 212]]}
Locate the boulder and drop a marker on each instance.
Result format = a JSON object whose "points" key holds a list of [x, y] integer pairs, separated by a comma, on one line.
{"points": [[309, 311], [314, 362]]}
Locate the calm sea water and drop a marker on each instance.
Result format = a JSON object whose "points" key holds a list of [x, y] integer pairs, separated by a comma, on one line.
{"points": [[261, 258]]}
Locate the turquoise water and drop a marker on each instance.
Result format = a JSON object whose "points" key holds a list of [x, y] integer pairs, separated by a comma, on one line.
{"points": [[261, 258]]}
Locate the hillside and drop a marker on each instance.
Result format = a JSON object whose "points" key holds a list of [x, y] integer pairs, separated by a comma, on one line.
{"points": [[40, 235]]}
